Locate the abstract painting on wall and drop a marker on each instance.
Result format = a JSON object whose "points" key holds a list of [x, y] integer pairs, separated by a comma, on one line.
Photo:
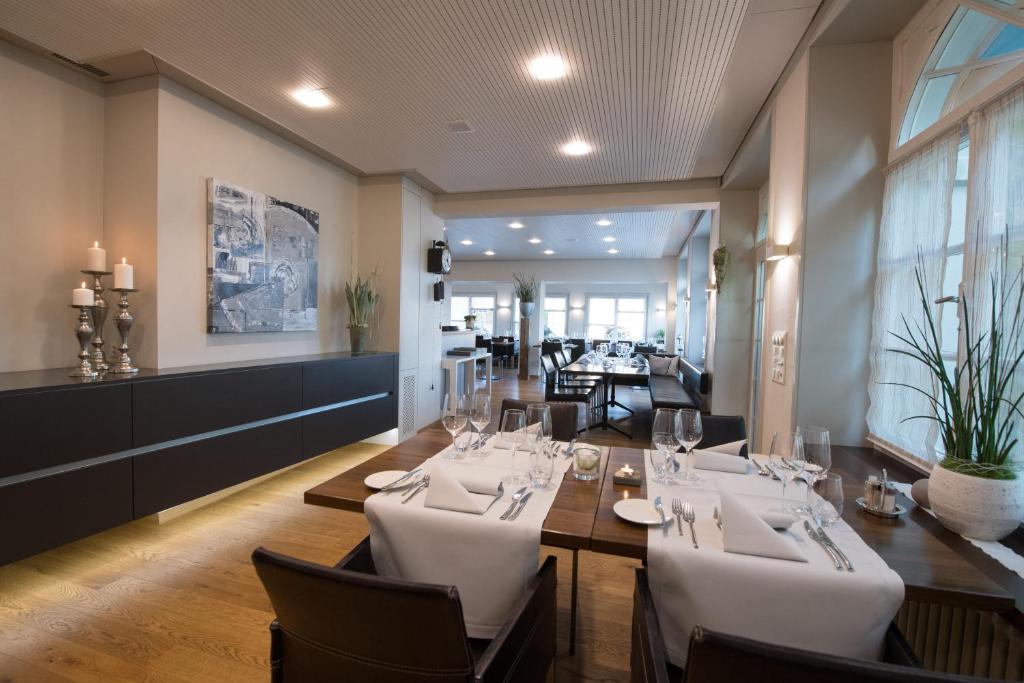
{"points": [[262, 262]]}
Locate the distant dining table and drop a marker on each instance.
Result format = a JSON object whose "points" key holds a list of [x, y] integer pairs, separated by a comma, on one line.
{"points": [[612, 371]]}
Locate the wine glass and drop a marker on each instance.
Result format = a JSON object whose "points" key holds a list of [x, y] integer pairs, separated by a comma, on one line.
{"points": [[829, 509], [787, 460], [818, 452], [542, 465], [455, 418], [689, 432], [480, 415], [538, 424], [664, 443], [513, 431]]}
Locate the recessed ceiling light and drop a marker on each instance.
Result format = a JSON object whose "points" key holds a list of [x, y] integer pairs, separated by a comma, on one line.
{"points": [[515, 225], [608, 239], [576, 148], [604, 222], [533, 240], [547, 67], [466, 242], [548, 252], [613, 251], [314, 98], [488, 253]]}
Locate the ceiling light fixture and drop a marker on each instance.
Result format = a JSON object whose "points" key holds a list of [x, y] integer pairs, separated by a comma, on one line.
{"points": [[607, 239], [576, 148], [613, 251], [466, 242], [314, 98], [604, 222], [515, 225], [533, 240], [548, 252], [490, 253], [547, 67]]}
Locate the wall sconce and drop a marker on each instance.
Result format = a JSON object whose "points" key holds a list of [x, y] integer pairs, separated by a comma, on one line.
{"points": [[710, 287], [503, 308], [660, 309], [775, 252], [577, 308]]}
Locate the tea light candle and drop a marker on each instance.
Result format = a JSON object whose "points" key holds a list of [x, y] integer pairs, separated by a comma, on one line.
{"points": [[97, 258], [124, 275], [83, 296], [627, 470]]}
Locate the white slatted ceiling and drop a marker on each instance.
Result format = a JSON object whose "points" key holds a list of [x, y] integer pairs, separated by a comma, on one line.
{"points": [[643, 76], [638, 234]]}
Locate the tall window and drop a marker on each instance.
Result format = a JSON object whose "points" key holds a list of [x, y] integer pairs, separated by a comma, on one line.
{"points": [[629, 314], [556, 316], [480, 305]]}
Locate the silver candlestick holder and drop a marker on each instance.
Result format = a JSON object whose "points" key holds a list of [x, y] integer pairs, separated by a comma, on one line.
{"points": [[99, 317], [84, 335], [123, 364]]}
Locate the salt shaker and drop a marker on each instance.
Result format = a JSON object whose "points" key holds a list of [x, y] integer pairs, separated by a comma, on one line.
{"points": [[874, 492]]}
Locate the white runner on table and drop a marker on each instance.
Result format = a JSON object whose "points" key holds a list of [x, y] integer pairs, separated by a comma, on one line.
{"points": [[807, 605], [490, 561]]}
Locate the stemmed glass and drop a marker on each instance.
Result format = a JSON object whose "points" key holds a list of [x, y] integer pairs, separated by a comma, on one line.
{"points": [[664, 443], [689, 432], [818, 452], [455, 418], [480, 415], [829, 509], [786, 458], [513, 431]]}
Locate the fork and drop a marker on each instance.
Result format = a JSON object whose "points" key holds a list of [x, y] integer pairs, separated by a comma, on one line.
{"points": [[689, 517], [424, 483], [677, 510]]}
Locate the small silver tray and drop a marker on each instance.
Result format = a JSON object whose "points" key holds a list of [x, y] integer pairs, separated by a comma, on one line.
{"points": [[900, 510]]}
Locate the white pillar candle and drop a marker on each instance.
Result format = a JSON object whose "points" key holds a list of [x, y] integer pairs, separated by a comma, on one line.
{"points": [[124, 275], [97, 258], [83, 296]]}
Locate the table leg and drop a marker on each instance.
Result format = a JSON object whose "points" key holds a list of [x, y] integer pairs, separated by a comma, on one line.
{"points": [[572, 605], [490, 373]]}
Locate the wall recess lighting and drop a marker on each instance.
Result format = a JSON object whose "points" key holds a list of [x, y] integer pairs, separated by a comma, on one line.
{"points": [[490, 253], [466, 242], [613, 251], [607, 239], [604, 222], [548, 252]]}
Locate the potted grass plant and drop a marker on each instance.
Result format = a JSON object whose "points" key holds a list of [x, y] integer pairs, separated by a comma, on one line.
{"points": [[527, 290], [470, 321], [362, 297], [974, 490]]}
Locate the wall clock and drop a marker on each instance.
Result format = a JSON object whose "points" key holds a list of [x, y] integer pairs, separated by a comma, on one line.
{"points": [[439, 259]]}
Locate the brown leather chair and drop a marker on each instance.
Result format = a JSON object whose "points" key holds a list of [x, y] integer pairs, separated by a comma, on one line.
{"points": [[719, 657], [344, 623], [565, 417]]}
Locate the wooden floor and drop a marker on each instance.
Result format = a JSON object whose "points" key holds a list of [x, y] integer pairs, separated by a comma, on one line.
{"points": [[180, 601]]}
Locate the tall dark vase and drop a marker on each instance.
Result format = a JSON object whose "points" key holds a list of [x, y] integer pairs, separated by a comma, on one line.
{"points": [[359, 337]]}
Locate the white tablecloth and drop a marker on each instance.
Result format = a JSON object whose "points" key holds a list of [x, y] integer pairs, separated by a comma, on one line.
{"points": [[489, 560], [804, 605]]}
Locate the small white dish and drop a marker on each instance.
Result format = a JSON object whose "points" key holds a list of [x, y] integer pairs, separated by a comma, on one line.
{"points": [[379, 480], [638, 511]]}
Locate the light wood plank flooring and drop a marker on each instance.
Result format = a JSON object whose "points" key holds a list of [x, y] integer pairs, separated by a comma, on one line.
{"points": [[180, 602]]}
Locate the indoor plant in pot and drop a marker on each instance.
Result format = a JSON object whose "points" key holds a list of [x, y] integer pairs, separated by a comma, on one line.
{"points": [[470, 321], [974, 490], [362, 298], [526, 289]]}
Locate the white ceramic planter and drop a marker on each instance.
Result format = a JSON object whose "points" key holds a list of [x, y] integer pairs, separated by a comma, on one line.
{"points": [[526, 308], [983, 509]]}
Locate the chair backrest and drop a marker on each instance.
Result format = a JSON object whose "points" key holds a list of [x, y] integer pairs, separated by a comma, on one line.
{"points": [[645, 348], [564, 416], [334, 624], [549, 368], [579, 348], [563, 358], [648, 659], [719, 429]]}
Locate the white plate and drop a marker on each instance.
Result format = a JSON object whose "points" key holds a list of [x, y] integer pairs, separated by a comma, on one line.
{"points": [[379, 480], [637, 510]]}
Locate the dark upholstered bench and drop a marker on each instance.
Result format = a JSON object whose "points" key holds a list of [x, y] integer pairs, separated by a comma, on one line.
{"points": [[688, 388]]}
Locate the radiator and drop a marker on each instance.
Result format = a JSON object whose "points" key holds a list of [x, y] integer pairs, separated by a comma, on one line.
{"points": [[963, 641]]}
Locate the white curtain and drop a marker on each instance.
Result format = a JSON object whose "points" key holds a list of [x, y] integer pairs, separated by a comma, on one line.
{"points": [[995, 209], [915, 219]]}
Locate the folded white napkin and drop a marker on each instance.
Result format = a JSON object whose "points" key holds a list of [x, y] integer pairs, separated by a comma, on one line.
{"points": [[720, 462], [744, 532], [778, 520], [461, 490], [731, 448]]}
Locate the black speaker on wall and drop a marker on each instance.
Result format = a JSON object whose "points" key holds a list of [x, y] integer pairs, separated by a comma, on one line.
{"points": [[439, 291]]}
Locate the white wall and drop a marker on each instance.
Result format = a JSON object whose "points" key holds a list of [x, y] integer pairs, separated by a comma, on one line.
{"points": [[51, 189]]}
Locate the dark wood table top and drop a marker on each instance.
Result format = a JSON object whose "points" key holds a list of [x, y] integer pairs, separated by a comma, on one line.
{"points": [[935, 565], [584, 367], [569, 523]]}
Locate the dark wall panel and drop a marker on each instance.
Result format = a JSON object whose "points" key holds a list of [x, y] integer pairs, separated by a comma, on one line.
{"points": [[51, 428], [46, 512], [333, 381], [322, 432], [171, 476], [168, 409]]}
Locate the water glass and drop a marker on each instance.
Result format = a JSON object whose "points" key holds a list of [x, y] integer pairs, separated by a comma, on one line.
{"points": [[817, 449], [455, 418], [542, 465], [513, 431], [786, 458], [689, 432], [480, 415], [829, 509], [664, 444], [586, 462]]}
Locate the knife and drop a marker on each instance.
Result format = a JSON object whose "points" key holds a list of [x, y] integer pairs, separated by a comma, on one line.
{"points": [[661, 510], [393, 485], [840, 553], [522, 504], [515, 499], [817, 539]]}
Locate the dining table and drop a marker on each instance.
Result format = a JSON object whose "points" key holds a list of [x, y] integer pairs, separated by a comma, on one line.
{"points": [[935, 565], [611, 371]]}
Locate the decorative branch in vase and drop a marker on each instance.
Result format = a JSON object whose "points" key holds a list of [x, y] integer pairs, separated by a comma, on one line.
{"points": [[363, 298], [527, 290], [974, 489]]}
